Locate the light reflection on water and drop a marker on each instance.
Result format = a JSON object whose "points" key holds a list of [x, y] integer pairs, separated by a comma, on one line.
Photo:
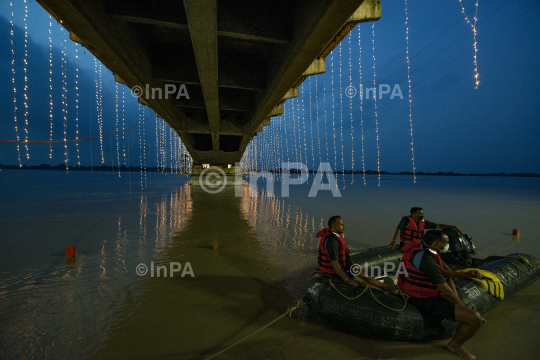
{"points": [[99, 307]]}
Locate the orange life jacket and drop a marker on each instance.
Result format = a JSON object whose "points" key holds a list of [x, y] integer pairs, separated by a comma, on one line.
{"points": [[412, 232], [415, 282], [324, 257]]}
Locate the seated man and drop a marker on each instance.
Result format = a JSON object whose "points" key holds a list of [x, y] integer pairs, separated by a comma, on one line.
{"points": [[334, 259], [429, 291], [412, 228]]}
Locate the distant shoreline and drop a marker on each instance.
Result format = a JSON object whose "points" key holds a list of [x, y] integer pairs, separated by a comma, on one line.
{"points": [[294, 171]]}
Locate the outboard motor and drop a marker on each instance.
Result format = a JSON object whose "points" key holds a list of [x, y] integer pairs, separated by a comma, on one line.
{"points": [[461, 250]]}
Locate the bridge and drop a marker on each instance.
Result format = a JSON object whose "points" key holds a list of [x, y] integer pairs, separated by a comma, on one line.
{"points": [[233, 62]]}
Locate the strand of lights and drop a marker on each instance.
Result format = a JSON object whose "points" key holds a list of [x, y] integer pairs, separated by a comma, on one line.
{"points": [[311, 128], [14, 88], [299, 127], [140, 148], [77, 104], [50, 87], [157, 144], [341, 115], [26, 79], [375, 103], [325, 130], [98, 105], [304, 124], [317, 116], [350, 107], [333, 115], [294, 131], [144, 145], [410, 93], [63, 66], [361, 104], [476, 81], [171, 145], [123, 125], [286, 140], [116, 118]]}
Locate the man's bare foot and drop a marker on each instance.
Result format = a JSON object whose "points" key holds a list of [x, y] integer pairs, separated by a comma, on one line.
{"points": [[460, 350]]}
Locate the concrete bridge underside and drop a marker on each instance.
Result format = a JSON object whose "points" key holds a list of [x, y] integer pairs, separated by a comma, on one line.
{"points": [[239, 59]]}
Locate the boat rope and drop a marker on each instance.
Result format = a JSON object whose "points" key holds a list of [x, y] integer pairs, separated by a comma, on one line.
{"points": [[404, 296], [289, 312]]}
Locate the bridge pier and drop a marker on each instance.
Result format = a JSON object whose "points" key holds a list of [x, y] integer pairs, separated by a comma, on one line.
{"points": [[214, 177]]}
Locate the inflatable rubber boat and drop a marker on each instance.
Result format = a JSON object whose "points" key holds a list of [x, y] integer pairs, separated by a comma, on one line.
{"points": [[376, 313]]}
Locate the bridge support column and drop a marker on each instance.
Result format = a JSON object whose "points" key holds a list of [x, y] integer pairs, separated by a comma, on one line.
{"points": [[215, 177]]}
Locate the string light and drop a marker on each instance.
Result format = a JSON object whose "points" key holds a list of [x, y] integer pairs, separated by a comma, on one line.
{"points": [[63, 66], [14, 88], [77, 104], [294, 131], [304, 124], [375, 103], [317, 117], [116, 118], [50, 87], [361, 104], [144, 145], [311, 128], [333, 115], [26, 79], [157, 144], [410, 92], [325, 129], [350, 107], [123, 125], [473, 26], [140, 148], [341, 115], [285, 131]]}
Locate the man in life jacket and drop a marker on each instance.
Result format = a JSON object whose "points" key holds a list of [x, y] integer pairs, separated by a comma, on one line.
{"points": [[425, 283], [412, 228], [334, 259]]}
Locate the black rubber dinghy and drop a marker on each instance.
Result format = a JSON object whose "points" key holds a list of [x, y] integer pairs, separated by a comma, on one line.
{"points": [[377, 313]]}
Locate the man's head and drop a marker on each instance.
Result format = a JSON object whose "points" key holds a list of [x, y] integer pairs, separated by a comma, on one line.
{"points": [[335, 224], [436, 240], [417, 213]]}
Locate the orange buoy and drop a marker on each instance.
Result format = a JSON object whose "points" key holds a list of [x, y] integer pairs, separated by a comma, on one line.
{"points": [[70, 252], [515, 232], [215, 244]]}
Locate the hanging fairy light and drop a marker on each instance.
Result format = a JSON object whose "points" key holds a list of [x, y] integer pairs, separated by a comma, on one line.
{"points": [[333, 114], [77, 104], [14, 87], [375, 104], [311, 128], [140, 148], [157, 144], [294, 131], [117, 127], [97, 70], [361, 104], [63, 66], [317, 117], [304, 125], [410, 92], [144, 145], [50, 88], [123, 126], [341, 116], [350, 108], [285, 132], [26, 80], [473, 26], [325, 130]]}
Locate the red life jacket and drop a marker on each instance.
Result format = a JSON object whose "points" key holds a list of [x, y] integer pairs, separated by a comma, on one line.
{"points": [[412, 232], [324, 257], [415, 282]]}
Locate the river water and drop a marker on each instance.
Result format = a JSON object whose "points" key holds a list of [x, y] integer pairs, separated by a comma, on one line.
{"points": [[98, 306]]}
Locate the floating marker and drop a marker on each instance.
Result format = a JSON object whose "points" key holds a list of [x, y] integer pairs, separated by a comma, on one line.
{"points": [[70, 252], [515, 232], [215, 244]]}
